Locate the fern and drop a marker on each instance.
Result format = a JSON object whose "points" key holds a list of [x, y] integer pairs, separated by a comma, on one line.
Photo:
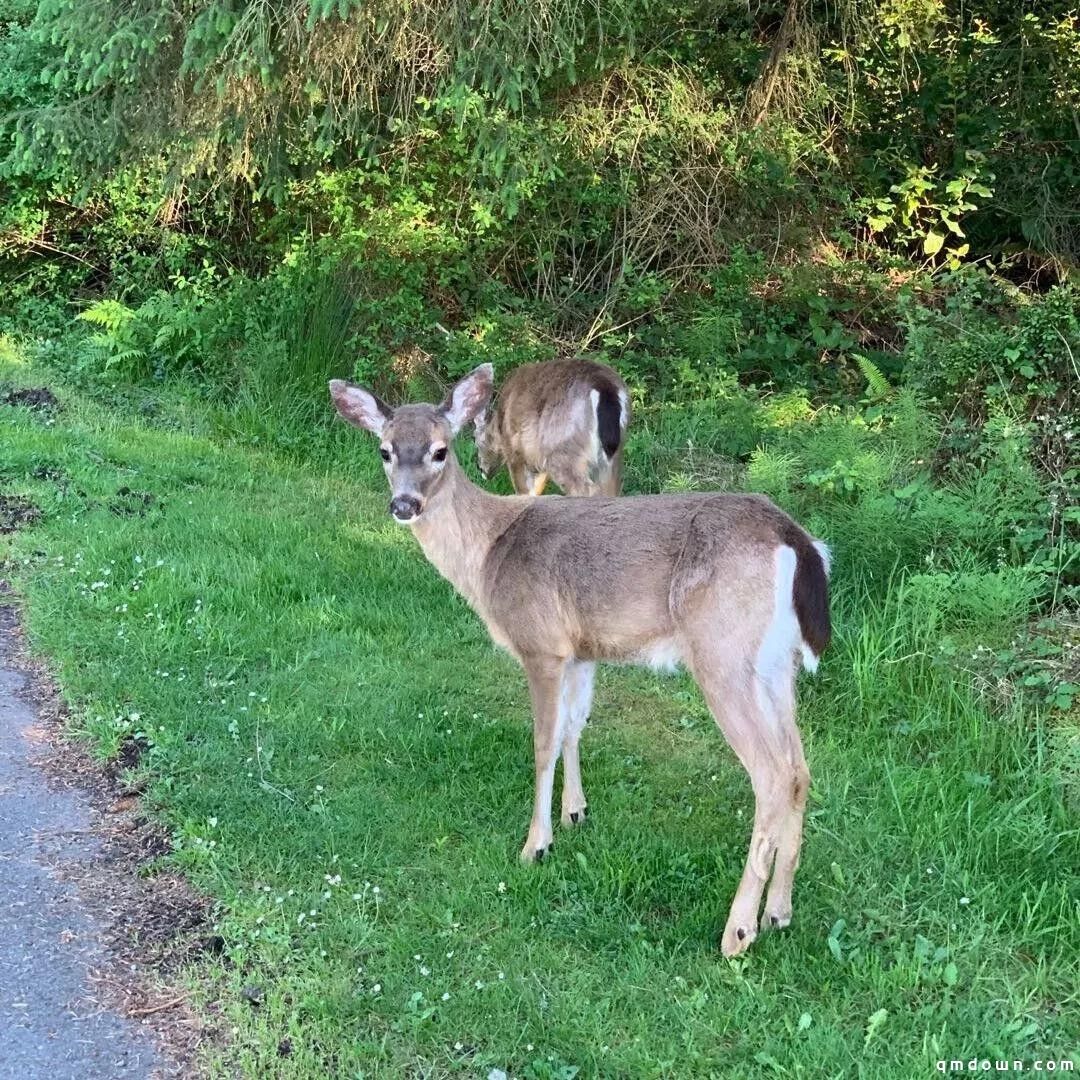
{"points": [[110, 315], [878, 387]]}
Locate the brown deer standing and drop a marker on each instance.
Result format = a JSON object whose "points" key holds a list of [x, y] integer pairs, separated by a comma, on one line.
{"points": [[728, 585], [564, 420]]}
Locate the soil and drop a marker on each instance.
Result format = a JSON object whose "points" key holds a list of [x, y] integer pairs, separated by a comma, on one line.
{"points": [[16, 512], [40, 398]]}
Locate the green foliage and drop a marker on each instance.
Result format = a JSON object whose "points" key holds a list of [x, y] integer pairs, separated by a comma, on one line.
{"points": [[925, 211]]}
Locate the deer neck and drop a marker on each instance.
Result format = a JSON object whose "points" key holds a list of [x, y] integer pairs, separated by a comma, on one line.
{"points": [[458, 527]]}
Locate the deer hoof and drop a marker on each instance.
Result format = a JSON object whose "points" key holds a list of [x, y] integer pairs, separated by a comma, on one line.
{"points": [[736, 940], [570, 818], [536, 855], [775, 920]]}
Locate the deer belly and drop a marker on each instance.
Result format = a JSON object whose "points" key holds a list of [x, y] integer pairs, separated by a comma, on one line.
{"points": [[661, 654]]}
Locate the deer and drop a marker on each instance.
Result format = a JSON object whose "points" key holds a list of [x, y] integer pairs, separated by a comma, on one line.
{"points": [[727, 585], [563, 420]]}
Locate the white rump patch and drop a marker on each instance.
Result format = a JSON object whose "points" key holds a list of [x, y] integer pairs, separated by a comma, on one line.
{"points": [[596, 454], [774, 663]]}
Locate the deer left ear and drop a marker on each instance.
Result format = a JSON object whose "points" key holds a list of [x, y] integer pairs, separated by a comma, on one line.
{"points": [[468, 397], [360, 407]]}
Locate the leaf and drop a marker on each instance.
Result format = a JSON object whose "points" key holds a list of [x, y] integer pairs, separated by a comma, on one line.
{"points": [[764, 1059], [876, 383], [834, 939], [805, 1021], [932, 243], [950, 974], [874, 1024]]}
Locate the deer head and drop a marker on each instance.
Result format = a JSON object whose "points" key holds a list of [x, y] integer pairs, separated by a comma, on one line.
{"points": [[488, 455], [415, 440]]}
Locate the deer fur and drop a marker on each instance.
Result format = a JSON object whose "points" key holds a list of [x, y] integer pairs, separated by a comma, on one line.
{"points": [[564, 420], [727, 585]]}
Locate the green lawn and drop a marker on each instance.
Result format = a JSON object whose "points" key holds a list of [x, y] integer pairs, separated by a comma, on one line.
{"points": [[345, 763]]}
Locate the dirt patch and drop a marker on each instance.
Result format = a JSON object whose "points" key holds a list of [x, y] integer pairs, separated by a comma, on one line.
{"points": [[130, 503], [128, 756], [16, 513], [38, 398], [47, 472], [155, 923]]}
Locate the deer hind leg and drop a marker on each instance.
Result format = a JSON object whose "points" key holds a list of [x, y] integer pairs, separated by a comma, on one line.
{"points": [[575, 480], [538, 483], [520, 477], [777, 913], [545, 688], [577, 690], [610, 482], [762, 743]]}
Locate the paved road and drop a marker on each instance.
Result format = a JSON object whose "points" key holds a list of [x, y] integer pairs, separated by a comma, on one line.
{"points": [[51, 1026]]}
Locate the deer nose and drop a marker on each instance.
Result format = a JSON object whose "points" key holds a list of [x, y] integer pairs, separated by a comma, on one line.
{"points": [[405, 507]]}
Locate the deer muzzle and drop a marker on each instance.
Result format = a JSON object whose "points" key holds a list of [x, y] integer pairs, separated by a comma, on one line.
{"points": [[405, 508]]}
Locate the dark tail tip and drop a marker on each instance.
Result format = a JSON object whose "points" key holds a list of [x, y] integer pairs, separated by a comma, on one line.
{"points": [[811, 595], [608, 417]]}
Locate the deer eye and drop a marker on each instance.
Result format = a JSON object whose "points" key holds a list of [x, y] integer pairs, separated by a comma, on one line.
{"points": [[439, 454], [384, 453]]}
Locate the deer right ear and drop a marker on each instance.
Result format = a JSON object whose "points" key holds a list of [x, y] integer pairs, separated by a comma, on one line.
{"points": [[468, 397], [359, 406]]}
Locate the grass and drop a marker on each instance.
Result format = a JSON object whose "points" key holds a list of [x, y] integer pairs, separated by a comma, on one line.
{"points": [[345, 763]]}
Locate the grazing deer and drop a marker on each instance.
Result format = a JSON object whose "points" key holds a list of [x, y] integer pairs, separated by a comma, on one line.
{"points": [[728, 585], [564, 420]]}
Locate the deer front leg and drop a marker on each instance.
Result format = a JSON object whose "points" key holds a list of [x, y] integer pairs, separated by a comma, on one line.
{"points": [[545, 688]]}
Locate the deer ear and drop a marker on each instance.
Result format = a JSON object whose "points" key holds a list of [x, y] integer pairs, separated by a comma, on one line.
{"points": [[360, 406], [468, 397]]}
